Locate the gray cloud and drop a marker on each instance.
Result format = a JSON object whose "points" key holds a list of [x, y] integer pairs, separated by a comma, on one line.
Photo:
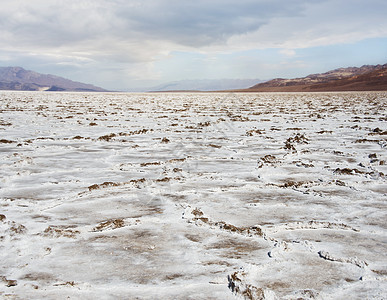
{"points": [[55, 23], [199, 23], [192, 23], [85, 25]]}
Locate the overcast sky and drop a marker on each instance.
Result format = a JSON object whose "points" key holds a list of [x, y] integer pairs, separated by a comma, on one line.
{"points": [[123, 44]]}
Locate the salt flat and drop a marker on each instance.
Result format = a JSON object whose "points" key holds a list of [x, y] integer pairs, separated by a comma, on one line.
{"points": [[193, 196]]}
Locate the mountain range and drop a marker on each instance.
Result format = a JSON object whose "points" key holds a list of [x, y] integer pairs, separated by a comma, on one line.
{"points": [[17, 78], [204, 85], [365, 78]]}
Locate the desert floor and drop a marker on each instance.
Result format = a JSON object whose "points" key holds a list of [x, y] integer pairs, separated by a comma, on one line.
{"points": [[193, 196]]}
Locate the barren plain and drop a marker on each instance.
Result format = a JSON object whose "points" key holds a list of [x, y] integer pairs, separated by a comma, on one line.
{"points": [[193, 195]]}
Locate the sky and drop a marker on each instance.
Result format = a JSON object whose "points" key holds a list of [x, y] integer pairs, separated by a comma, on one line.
{"points": [[128, 44]]}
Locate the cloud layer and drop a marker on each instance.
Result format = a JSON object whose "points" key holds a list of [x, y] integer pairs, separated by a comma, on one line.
{"points": [[132, 37]]}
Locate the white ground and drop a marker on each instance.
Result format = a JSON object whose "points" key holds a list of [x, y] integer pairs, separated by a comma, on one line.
{"points": [[193, 196]]}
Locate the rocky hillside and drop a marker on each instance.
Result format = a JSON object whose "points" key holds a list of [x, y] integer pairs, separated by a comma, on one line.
{"points": [[17, 78], [365, 78]]}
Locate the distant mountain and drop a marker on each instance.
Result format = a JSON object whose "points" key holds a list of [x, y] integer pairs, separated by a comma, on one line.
{"points": [[365, 78], [204, 85], [16, 78]]}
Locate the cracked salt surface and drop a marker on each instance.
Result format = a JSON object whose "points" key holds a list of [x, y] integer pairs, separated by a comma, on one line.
{"points": [[193, 196]]}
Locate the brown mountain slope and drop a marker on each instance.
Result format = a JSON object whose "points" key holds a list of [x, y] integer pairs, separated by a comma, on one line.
{"points": [[17, 78], [365, 78]]}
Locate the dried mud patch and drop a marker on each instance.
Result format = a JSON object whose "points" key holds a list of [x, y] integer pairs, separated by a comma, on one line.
{"points": [[5, 141], [8, 282], [109, 224], [14, 229], [60, 231], [113, 224], [173, 276], [41, 277], [109, 184], [235, 248], [196, 238]]}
